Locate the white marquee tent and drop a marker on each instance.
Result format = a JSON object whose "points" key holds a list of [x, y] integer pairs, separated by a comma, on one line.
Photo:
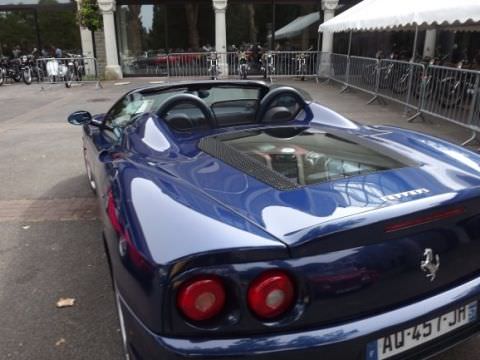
{"points": [[377, 15]]}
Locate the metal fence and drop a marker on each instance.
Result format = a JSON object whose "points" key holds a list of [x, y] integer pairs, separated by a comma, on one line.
{"points": [[395, 80], [269, 65], [334, 67], [451, 94], [363, 73], [445, 92], [67, 71], [296, 64]]}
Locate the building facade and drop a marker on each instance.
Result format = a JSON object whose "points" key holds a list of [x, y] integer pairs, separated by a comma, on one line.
{"points": [[38, 24], [145, 30], [138, 34]]}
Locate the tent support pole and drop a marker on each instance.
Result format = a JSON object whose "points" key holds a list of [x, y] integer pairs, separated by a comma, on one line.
{"points": [[350, 43], [346, 87], [410, 73], [319, 57]]}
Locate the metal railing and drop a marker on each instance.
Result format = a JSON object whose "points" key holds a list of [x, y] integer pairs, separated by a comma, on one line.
{"points": [[334, 67], [395, 81], [269, 65], [67, 71], [363, 73], [295, 64], [449, 93]]}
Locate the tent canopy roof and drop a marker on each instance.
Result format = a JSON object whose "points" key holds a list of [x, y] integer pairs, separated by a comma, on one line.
{"points": [[296, 27], [377, 15]]}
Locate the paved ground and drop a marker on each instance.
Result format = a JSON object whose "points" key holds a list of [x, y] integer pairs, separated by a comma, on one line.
{"points": [[50, 238]]}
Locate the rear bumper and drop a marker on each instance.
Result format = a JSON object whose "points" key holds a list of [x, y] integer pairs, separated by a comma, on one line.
{"points": [[345, 341]]}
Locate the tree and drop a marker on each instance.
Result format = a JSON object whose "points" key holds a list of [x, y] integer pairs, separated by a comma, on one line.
{"points": [[157, 36], [135, 29], [52, 18], [191, 12], [253, 30], [89, 15]]}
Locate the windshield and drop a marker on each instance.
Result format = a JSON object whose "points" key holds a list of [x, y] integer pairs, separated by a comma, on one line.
{"points": [[308, 156], [230, 104]]}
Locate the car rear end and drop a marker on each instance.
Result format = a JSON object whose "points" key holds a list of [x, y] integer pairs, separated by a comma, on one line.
{"points": [[368, 300], [383, 256]]}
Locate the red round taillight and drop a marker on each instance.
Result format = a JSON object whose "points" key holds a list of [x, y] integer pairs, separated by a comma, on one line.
{"points": [[271, 294], [201, 298]]}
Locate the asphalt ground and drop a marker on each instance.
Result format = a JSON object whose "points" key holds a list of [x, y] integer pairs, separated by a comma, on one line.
{"points": [[50, 245]]}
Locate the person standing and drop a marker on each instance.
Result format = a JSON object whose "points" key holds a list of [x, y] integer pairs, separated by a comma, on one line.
{"points": [[16, 52], [58, 52]]}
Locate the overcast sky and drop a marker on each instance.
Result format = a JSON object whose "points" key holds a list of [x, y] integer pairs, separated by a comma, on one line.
{"points": [[27, 2]]}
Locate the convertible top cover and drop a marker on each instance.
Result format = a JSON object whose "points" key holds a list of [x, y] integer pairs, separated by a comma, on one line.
{"points": [[290, 157]]}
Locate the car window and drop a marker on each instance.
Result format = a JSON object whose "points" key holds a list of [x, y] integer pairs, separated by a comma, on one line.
{"points": [[125, 111], [228, 93], [235, 112]]}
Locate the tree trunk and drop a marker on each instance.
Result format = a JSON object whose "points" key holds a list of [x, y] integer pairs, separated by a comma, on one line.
{"points": [[306, 9], [135, 29], [253, 31], [191, 11]]}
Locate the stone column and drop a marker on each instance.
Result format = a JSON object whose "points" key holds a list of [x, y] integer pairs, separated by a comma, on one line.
{"points": [[87, 46], [328, 7], [430, 40], [220, 7], [112, 68]]}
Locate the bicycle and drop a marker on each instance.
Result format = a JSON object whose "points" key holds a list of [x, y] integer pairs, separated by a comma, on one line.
{"points": [[213, 68]]}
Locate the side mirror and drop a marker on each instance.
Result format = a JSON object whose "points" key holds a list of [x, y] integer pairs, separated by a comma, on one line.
{"points": [[80, 118], [105, 156]]}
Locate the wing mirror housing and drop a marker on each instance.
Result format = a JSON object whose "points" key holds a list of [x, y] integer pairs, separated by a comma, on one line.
{"points": [[80, 118], [105, 156]]}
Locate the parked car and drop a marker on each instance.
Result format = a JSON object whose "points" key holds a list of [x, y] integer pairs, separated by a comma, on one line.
{"points": [[246, 221]]}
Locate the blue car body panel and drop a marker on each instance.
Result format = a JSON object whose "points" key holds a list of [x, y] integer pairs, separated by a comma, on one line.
{"points": [[190, 213]]}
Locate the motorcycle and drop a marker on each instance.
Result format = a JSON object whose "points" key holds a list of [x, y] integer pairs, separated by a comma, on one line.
{"points": [[27, 64], [268, 67], [3, 73], [10, 69], [76, 67], [301, 60], [243, 65]]}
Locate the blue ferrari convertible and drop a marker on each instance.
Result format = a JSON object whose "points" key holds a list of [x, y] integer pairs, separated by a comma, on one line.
{"points": [[245, 221]]}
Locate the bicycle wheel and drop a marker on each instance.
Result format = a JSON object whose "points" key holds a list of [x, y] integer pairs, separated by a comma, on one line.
{"points": [[27, 76], [369, 74], [450, 93], [68, 80], [2, 76]]}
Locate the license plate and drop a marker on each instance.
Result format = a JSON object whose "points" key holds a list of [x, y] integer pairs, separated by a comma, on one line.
{"points": [[407, 339]]}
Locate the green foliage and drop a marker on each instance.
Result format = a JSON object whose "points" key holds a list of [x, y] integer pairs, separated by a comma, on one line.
{"points": [[56, 26], [89, 15]]}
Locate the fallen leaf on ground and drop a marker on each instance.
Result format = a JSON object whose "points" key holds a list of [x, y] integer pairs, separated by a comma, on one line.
{"points": [[65, 302], [60, 342]]}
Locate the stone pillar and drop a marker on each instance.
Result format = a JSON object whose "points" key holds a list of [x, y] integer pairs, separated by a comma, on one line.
{"points": [[87, 47], [328, 7], [430, 41], [220, 8], [112, 68]]}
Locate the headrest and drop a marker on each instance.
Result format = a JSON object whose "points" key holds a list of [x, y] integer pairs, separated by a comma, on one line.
{"points": [[277, 114]]}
